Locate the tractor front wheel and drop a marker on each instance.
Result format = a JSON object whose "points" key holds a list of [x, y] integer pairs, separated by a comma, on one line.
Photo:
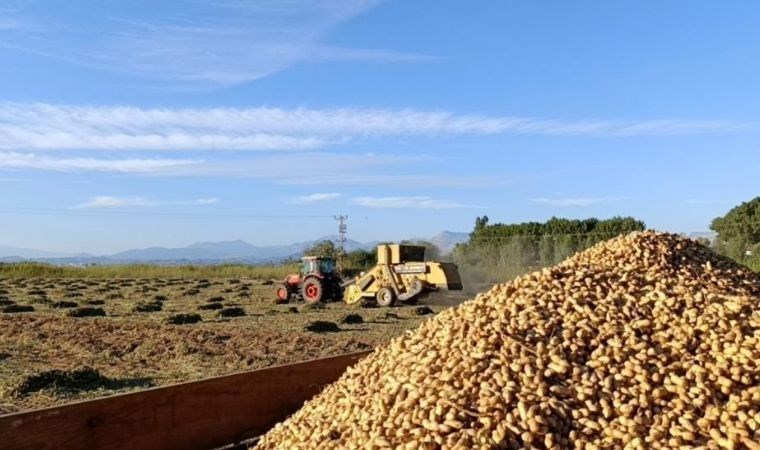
{"points": [[312, 290], [282, 293]]}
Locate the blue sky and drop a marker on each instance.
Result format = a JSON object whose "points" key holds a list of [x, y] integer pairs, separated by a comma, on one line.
{"points": [[135, 123]]}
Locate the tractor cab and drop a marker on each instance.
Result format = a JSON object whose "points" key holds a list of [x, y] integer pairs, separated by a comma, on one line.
{"points": [[316, 281], [317, 265]]}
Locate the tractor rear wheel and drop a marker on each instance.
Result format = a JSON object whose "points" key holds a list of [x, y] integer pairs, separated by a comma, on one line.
{"points": [[282, 293], [385, 297], [312, 290]]}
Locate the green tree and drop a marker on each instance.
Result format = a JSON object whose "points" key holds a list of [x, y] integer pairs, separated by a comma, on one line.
{"points": [[739, 232], [359, 260], [498, 251], [325, 249]]}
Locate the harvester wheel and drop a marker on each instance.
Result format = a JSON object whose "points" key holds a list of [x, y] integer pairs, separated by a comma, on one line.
{"points": [[385, 297], [415, 289], [312, 290], [282, 293]]}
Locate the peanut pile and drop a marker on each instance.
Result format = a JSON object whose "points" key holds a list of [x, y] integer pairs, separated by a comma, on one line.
{"points": [[648, 340]]}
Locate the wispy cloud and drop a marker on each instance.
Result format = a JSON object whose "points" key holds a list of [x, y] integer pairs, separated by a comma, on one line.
{"points": [[10, 24], [315, 198], [336, 169], [11, 160], [216, 43], [284, 168], [107, 201], [417, 202], [574, 201], [426, 179], [198, 201], [11, 21], [41, 126]]}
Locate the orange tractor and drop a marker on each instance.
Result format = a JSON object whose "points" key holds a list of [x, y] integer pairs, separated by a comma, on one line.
{"points": [[316, 281]]}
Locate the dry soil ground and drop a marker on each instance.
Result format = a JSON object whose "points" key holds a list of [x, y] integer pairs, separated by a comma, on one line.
{"points": [[52, 355]]}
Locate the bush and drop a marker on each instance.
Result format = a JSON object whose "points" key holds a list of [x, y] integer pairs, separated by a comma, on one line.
{"points": [[352, 318], [293, 310], [95, 302], [6, 302], [150, 306], [322, 326], [87, 311], [232, 312], [182, 319], [215, 299], [18, 308]]}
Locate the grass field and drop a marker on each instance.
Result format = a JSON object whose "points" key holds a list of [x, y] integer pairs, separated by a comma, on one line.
{"points": [[39, 270], [66, 338]]}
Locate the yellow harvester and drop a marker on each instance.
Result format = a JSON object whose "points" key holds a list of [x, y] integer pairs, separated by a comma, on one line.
{"points": [[402, 274]]}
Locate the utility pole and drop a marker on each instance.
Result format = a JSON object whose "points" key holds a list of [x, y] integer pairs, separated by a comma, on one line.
{"points": [[342, 230]]}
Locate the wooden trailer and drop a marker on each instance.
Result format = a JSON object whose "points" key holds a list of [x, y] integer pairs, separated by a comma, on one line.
{"points": [[225, 411]]}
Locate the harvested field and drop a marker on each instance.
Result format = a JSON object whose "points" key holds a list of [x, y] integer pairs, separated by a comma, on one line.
{"points": [[644, 341], [135, 347]]}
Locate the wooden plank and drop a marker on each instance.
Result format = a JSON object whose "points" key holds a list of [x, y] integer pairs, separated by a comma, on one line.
{"points": [[196, 415]]}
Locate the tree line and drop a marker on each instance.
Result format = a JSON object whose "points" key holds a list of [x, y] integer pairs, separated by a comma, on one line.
{"points": [[738, 233], [497, 252]]}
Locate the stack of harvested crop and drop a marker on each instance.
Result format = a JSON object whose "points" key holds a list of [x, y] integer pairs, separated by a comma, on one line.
{"points": [[645, 341]]}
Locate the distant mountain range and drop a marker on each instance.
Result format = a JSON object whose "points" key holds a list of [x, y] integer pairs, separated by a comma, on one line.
{"points": [[26, 253], [236, 251], [447, 240]]}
